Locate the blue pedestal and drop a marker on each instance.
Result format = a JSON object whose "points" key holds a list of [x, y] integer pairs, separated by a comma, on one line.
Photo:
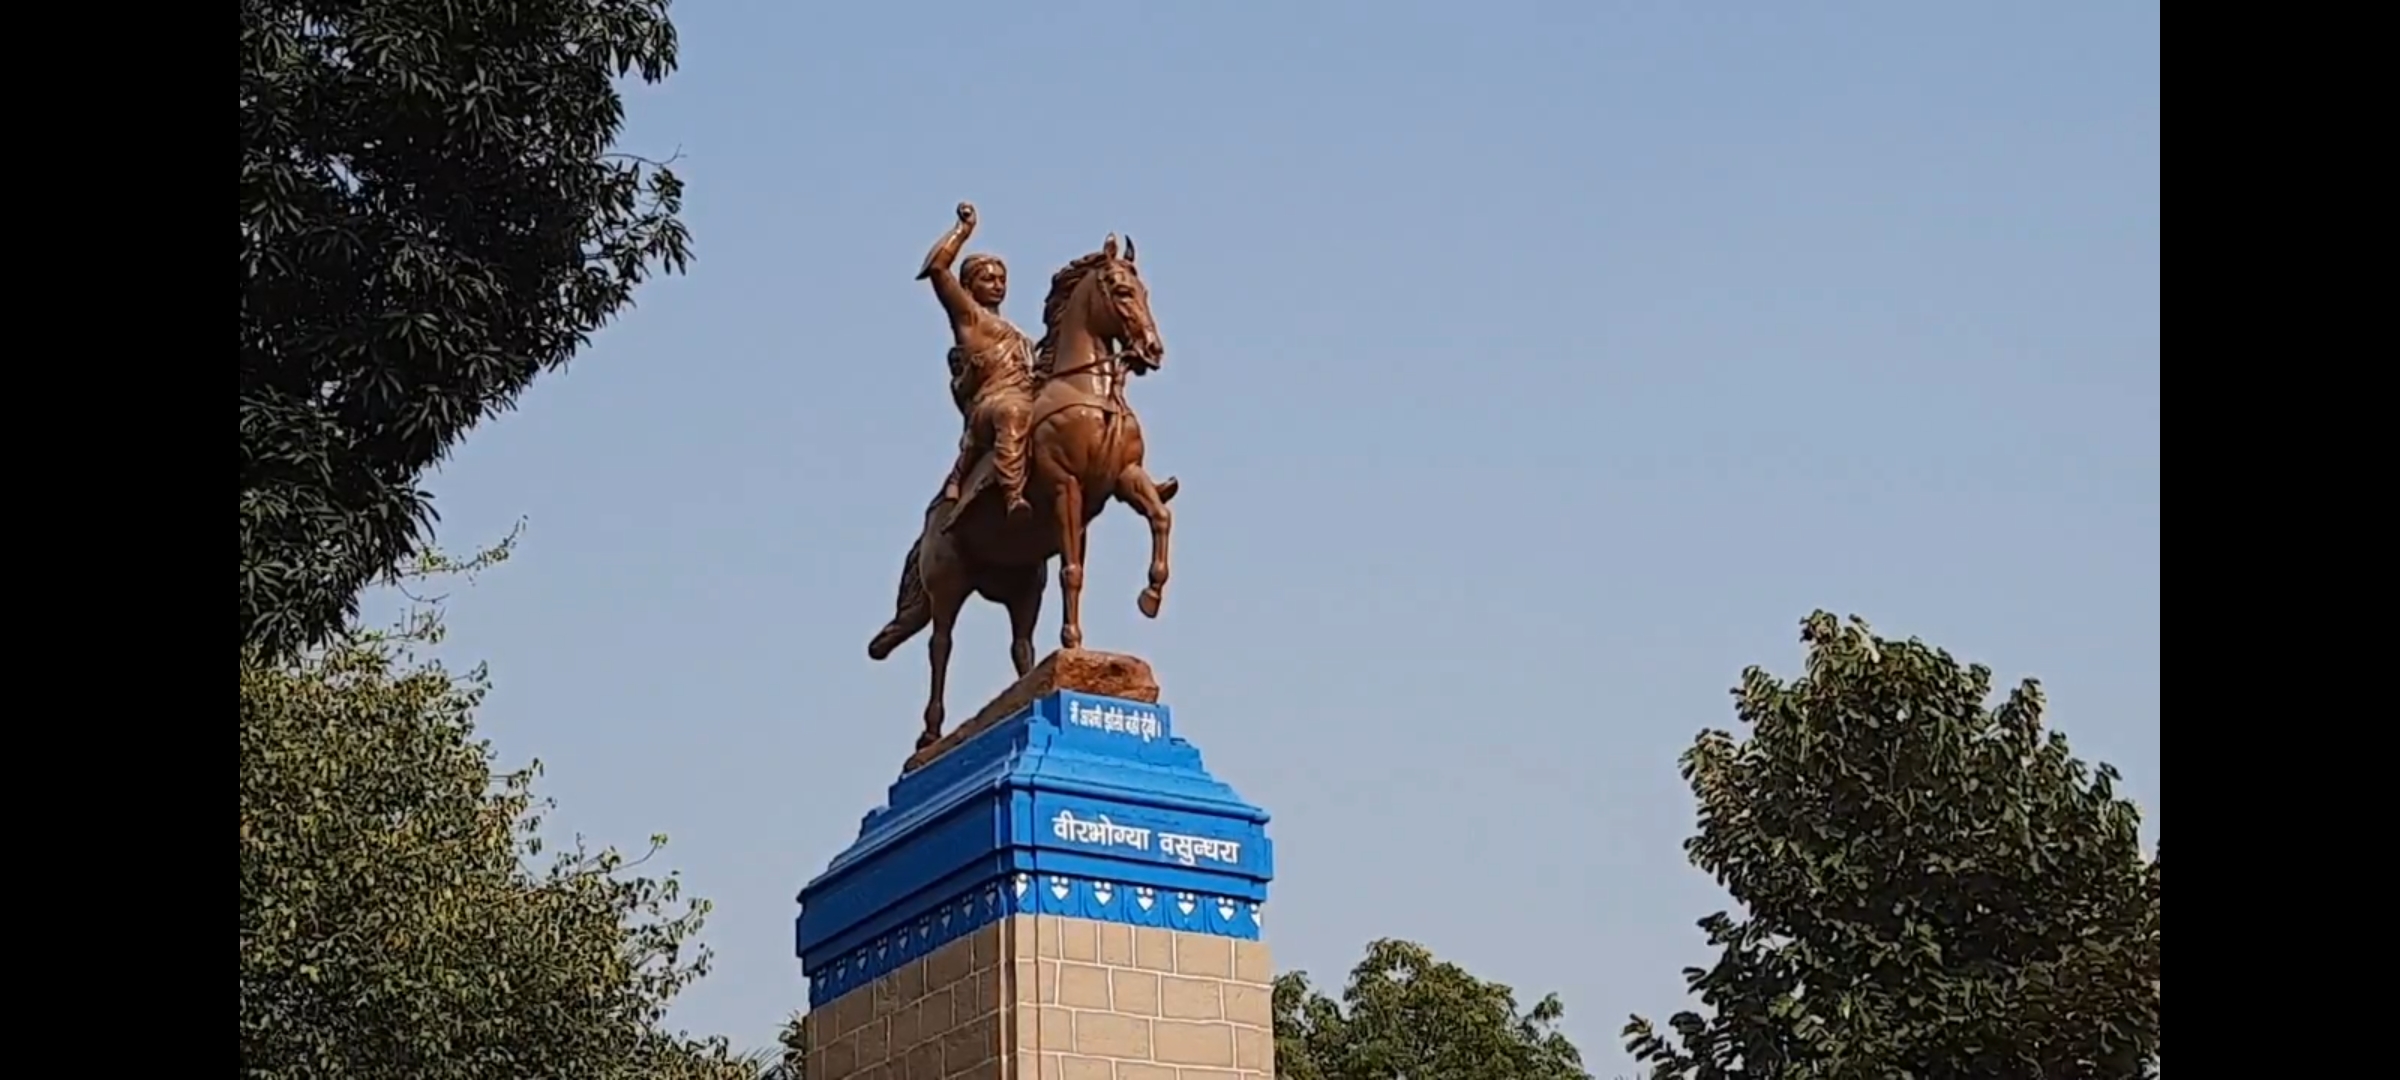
{"points": [[1080, 805]]}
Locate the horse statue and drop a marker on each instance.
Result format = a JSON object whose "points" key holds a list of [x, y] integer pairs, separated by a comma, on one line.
{"points": [[1084, 447]]}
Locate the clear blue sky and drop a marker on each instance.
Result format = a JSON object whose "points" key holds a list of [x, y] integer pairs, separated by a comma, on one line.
{"points": [[1534, 368]]}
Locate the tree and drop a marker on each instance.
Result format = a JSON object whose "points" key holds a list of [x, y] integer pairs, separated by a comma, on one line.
{"points": [[789, 1058], [431, 217], [1407, 1016], [1934, 888], [393, 923]]}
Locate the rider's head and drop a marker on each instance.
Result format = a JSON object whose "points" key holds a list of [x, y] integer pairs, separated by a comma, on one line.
{"points": [[985, 277]]}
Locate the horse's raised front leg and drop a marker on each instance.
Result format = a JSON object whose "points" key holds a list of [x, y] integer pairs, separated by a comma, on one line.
{"points": [[1136, 489], [1066, 502]]}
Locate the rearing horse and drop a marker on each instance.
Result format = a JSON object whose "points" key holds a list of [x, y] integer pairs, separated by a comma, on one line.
{"points": [[1085, 447]]}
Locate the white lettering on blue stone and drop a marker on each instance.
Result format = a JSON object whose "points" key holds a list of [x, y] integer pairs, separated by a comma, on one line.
{"points": [[1182, 848], [1189, 850], [1101, 831], [1140, 723]]}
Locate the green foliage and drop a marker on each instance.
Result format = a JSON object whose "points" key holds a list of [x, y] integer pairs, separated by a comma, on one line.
{"points": [[431, 217], [1935, 888], [394, 921], [789, 1059], [1407, 1016]]}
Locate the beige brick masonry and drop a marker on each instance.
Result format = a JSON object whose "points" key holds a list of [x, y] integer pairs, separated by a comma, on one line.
{"points": [[1051, 998]]}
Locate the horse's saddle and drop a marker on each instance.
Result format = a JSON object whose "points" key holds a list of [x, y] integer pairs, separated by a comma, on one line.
{"points": [[984, 479], [1048, 399], [983, 475]]}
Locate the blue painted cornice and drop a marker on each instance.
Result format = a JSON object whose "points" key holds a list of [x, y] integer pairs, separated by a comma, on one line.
{"points": [[1078, 805]]}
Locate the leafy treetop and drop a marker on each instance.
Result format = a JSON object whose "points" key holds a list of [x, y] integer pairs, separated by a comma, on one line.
{"points": [[431, 217], [1934, 888], [1408, 1016], [394, 921]]}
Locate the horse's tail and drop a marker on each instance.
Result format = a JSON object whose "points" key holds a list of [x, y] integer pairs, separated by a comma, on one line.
{"points": [[911, 610]]}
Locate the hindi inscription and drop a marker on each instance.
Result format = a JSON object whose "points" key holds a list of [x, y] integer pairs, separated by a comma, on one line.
{"points": [[1181, 847], [1117, 719]]}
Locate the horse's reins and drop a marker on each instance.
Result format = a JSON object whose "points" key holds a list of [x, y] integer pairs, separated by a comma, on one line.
{"points": [[1122, 359]]}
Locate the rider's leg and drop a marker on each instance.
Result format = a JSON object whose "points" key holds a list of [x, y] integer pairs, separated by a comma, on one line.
{"points": [[1010, 418], [958, 468]]}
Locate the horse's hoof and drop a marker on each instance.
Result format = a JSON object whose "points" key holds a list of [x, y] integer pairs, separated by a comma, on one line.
{"points": [[929, 738], [1150, 601], [1070, 639]]}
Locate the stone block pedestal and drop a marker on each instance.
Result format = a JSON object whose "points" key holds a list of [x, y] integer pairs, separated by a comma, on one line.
{"points": [[1060, 892]]}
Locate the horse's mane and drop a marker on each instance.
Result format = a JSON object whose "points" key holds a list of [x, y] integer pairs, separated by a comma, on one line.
{"points": [[1054, 308]]}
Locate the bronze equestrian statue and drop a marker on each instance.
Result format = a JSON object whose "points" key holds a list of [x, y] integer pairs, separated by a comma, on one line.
{"points": [[1049, 438]]}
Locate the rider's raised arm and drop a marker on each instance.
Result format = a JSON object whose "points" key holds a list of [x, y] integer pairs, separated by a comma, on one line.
{"points": [[960, 306]]}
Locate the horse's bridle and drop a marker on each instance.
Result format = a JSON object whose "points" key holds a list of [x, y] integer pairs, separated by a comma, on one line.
{"points": [[1125, 360], [1121, 360]]}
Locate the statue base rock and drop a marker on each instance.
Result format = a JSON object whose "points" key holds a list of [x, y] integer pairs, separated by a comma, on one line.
{"points": [[1103, 674]]}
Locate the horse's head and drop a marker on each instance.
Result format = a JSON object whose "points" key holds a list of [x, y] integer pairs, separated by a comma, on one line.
{"points": [[1102, 295], [1127, 302]]}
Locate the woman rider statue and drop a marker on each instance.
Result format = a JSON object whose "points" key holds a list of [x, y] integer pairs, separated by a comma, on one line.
{"points": [[991, 366]]}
